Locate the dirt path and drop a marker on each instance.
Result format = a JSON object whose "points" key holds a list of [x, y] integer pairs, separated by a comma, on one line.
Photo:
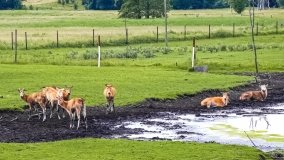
{"points": [[16, 128]]}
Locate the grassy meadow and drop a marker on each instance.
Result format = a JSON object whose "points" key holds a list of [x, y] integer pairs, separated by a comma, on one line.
{"points": [[143, 69], [126, 149], [134, 84]]}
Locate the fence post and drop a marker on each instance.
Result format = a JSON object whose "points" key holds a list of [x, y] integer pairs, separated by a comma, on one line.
{"points": [[12, 38], [99, 51], [184, 32], [93, 37], [57, 40], [157, 34], [16, 46], [233, 29], [193, 52], [276, 27], [126, 36], [26, 39], [209, 31], [257, 28]]}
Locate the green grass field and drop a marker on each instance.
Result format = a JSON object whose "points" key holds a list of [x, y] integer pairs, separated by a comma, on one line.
{"points": [[105, 149], [140, 70], [134, 84]]}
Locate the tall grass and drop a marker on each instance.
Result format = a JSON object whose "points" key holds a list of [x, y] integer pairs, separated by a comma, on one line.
{"points": [[75, 27]]}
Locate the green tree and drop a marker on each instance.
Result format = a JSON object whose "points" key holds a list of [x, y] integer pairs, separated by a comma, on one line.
{"points": [[118, 4], [99, 4], [281, 3], [238, 5], [10, 4], [143, 8]]}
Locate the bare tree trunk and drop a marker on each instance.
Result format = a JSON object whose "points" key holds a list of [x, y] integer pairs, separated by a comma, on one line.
{"points": [[268, 4], [251, 13]]}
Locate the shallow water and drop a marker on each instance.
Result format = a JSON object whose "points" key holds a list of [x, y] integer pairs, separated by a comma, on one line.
{"points": [[263, 126]]}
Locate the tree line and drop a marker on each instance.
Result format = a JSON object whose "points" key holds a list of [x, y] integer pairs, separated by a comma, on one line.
{"points": [[10, 4], [127, 6], [178, 4]]}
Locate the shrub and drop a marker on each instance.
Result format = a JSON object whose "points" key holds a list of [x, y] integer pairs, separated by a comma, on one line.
{"points": [[72, 55], [222, 34], [90, 55]]}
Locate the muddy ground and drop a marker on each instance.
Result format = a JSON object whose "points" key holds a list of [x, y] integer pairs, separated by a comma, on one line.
{"points": [[15, 127]]}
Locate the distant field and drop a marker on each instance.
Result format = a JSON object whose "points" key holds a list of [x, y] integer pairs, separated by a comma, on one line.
{"points": [[77, 26], [36, 2]]}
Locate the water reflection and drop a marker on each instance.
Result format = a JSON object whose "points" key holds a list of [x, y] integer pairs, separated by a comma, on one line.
{"points": [[264, 128]]}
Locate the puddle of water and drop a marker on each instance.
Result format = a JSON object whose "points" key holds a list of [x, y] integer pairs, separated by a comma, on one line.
{"points": [[225, 127]]}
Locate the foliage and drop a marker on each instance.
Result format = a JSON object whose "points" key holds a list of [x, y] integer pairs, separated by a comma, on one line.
{"points": [[186, 4], [143, 9], [10, 4], [100, 4], [281, 3], [238, 5]]}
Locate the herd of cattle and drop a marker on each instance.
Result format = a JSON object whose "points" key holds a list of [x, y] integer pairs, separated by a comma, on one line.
{"points": [[58, 99]]}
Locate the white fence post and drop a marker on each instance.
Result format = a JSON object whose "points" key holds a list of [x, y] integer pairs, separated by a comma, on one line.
{"points": [[99, 52]]}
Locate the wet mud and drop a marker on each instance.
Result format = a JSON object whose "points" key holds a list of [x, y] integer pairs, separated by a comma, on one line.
{"points": [[16, 128]]}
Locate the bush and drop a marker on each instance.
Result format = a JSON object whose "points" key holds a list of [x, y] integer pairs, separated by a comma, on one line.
{"points": [[222, 34], [90, 55], [72, 55], [31, 7], [75, 6]]}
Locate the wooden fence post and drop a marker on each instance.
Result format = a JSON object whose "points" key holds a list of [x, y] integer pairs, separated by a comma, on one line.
{"points": [[184, 32], [126, 36], [257, 28], [26, 40], [12, 39], [57, 39], [276, 27], [93, 37], [209, 31], [16, 47], [157, 34], [233, 29]]}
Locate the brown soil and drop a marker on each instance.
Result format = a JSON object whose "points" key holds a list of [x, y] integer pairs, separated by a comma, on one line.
{"points": [[16, 128]]}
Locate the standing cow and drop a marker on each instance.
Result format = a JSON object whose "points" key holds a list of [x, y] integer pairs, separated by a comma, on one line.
{"points": [[109, 93]]}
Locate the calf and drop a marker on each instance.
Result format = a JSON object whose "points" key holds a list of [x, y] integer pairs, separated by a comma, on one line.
{"points": [[216, 101], [33, 99], [109, 93], [255, 95]]}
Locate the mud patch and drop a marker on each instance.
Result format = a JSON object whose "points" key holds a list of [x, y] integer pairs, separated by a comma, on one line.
{"points": [[16, 128], [265, 130]]}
